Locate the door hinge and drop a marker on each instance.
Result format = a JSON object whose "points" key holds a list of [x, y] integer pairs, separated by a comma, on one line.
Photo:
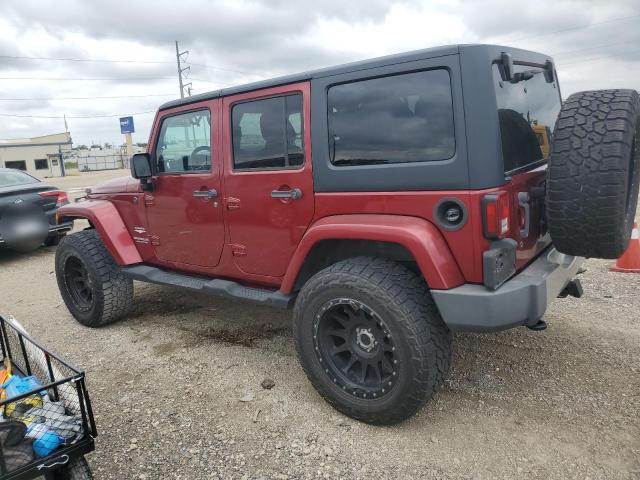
{"points": [[238, 250], [149, 200]]}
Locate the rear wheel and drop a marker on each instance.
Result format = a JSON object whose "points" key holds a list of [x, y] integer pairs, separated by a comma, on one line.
{"points": [[594, 173], [92, 285], [370, 339]]}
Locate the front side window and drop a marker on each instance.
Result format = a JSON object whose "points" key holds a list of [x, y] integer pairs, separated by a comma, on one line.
{"points": [[267, 133], [184, 143], [527, 111], [396, 119]]}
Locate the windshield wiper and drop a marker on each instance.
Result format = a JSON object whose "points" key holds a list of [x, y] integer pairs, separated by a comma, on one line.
{"points": [[524, 76]]}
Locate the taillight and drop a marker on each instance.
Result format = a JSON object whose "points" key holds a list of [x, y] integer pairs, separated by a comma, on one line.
{"points": [[496, 213], [60, 196]]}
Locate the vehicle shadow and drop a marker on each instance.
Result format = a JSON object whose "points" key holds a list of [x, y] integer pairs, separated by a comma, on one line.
{"points": [[495, 368], [9, 257]]}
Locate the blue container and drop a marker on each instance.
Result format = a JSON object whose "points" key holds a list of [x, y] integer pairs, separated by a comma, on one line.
{"points": [[19, 385], [45, 441]]}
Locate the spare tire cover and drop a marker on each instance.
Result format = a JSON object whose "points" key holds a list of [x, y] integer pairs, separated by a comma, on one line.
{"points": [[593, 173]]}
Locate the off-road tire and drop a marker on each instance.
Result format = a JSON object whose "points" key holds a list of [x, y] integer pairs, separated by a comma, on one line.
{"points": [[402, 299], [594, 173], [77, 469], [112, 290]]}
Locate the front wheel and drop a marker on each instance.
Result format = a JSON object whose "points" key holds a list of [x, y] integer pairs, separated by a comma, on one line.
{"points": [[92, 285], [371, 340]]}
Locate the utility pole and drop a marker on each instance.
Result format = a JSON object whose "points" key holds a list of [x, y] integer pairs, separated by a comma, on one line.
{"points": [[180, 59]]}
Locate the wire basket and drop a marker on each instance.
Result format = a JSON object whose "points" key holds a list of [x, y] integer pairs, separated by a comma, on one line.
{"points": [[46, 417]]}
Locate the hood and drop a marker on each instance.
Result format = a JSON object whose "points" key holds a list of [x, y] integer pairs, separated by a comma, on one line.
{"points": [[117, 185]]}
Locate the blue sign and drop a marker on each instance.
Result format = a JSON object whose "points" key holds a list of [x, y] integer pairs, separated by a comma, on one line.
{"points": [[126, 125]]}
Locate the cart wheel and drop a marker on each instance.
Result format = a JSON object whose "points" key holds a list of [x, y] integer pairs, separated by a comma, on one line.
{"points": [[76, 469]]}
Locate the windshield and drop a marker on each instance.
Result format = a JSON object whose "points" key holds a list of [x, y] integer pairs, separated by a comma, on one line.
{"points": [[527, 112], [11, 178]]}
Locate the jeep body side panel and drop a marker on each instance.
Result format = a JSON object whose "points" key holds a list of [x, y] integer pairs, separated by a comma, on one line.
{"points": [[420, 237], [461, 243], [104, 217]]}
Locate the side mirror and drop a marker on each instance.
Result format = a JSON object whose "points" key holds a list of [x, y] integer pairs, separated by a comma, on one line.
{"points": [[141, 166], [507, 66]]}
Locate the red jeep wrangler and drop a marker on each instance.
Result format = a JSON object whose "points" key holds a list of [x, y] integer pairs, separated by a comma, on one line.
{"points": [[388, 202]]}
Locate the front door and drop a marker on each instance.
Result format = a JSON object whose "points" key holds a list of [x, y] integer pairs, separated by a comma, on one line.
{"points": [[269, 197], [184, 211]]}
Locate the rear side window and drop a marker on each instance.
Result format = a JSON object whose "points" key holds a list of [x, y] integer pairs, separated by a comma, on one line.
{"points": [[396, 119], [267, 133], [9, 178], [184, 143], [527, 112]]}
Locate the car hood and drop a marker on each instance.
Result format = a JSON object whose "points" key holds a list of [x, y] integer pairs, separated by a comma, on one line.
{"points": [[117, 185]]}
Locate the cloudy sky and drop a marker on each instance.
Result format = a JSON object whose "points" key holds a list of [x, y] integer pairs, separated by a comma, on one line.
{"points": [[124, 50]]}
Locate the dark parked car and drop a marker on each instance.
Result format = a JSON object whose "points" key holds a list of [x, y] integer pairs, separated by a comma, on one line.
{"points": [[28, 212]]}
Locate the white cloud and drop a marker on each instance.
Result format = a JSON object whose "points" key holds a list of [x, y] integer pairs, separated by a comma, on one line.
{"points": [[267, 38]]}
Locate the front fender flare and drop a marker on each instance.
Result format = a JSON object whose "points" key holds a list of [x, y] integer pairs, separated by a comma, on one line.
{"points": [[420, 237], [105, 218]]}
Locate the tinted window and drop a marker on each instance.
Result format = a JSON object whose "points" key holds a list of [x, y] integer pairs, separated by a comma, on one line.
{"points": [[527, 112], [18, 164], [184, 143], [11, 178], [268, 133], [41, 163], [397, 119]]}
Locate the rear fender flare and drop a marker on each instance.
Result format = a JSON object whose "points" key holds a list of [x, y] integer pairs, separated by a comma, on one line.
{"points": [[418, 236], [105, 218]]}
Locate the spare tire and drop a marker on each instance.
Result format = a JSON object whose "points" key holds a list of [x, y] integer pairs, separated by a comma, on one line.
{"points": [[594, 172]]}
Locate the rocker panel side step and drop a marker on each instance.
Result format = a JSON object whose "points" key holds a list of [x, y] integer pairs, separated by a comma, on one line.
{"points": [[216, 286]]}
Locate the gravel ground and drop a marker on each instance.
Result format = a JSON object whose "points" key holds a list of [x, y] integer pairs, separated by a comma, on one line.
{"points": [[177, 389]]}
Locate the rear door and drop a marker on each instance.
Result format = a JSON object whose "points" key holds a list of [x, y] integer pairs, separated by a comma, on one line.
{"points": [[527, 111], [184, 215], [268, 182]]}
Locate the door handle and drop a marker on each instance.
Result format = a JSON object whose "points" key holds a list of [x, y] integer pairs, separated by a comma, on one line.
{"points": [[293, 194], [213, 193]]}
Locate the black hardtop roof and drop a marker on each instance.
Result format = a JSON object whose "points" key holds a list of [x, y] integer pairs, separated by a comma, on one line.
{"points": [[423, 54]]}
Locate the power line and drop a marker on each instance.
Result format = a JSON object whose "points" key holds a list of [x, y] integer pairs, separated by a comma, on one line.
{"points": [[23, 57], [87, 98], [108, 79], [76, 116], [100, 60], [578, 27], [592, 59], [86, 78], [565, 52]]}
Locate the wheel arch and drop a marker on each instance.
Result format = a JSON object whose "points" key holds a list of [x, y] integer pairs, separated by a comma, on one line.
{"points": [[412, 241], [104, 217]]}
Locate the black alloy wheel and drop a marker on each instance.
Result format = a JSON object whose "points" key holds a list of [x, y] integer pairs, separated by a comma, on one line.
{"points": [[356, 348], [79, 285]]}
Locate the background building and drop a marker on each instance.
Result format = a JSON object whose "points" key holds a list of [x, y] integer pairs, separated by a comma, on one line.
{"points": [[38, 156]]}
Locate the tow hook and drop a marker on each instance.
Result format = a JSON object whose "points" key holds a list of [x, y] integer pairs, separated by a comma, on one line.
{"points": [[573, 288]]}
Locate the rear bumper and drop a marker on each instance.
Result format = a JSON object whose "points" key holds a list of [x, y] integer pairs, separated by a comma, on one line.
{"points": [[522, 300]]}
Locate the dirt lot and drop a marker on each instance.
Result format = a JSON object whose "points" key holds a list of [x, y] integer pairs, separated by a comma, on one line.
{"points": [[167, 386]]}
